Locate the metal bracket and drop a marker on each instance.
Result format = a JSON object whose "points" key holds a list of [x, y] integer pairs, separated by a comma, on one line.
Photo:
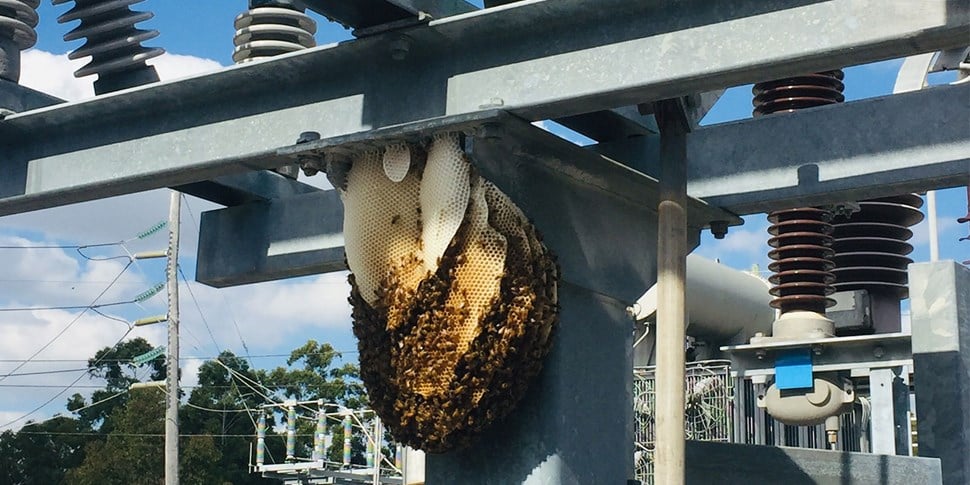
{"points": [[830, 354]]}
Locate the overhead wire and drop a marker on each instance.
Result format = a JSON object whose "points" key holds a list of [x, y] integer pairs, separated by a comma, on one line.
{"points": [[72, 322], [66, 307], [198, 308], [41, 373], [258, 356], [69, 386], [69, 246], [225, 302]]}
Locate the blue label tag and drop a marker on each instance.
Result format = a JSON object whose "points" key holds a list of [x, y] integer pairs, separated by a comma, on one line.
{"points": [[793, 369]]}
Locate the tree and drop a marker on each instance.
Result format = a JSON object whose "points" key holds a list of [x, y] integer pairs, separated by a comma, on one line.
{"points": [[41, 453], [221, 406], [119, 437], [319, 378], [132, 452], [115, 366]]}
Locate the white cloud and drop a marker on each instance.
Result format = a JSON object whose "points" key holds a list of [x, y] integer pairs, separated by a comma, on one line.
{"points": [[54, 73], [176, 66]]}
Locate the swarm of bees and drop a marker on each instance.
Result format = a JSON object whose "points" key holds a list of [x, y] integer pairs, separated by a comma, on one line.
{"points": [[453, 293]]}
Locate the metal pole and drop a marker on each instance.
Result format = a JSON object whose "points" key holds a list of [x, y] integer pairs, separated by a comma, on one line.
{"points": [[671, 288], [934, 234], [378, 455], [172, 372]]}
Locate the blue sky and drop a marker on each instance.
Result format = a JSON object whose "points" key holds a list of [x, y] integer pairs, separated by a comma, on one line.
{"points": [[270, 318]]}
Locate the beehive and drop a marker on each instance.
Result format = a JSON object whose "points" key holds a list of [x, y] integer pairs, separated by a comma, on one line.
{"points": [[453, 292]]}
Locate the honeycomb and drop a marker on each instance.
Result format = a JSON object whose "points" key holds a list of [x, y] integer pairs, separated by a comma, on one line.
{"points": [[397, 162], [453, 293]]}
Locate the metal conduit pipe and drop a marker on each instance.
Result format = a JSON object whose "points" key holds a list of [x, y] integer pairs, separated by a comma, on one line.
{"points": [[724, 305]]}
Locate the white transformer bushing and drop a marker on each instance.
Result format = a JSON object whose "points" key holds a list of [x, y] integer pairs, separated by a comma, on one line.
{"points": [[724, 305]]}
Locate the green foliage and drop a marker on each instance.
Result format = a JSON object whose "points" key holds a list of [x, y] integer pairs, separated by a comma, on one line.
{"points": [[319, 378], [131, 454], [121, 440], [33, 457], [112, 365]]}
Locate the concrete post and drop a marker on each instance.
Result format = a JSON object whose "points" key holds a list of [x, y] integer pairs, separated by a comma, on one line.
{"points": [[940, 309]]}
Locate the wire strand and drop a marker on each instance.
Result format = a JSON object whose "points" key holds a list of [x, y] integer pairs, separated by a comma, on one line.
{"points": [[225, 302], [198, 308], [62, 391], [72, 322], [259, 356]]}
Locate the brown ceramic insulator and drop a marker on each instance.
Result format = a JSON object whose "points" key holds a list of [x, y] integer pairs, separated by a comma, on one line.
{"points": [[801, 257], [802, 239], [798, 92], [871, 248]]}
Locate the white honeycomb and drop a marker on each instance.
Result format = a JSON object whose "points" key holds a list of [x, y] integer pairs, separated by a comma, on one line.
{"points": [[397, 161], [444, 196], [381, 225]]}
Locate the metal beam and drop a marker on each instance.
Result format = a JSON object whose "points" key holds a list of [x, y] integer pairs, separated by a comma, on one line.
{"points": [[242, 188], [15, 97], [540, 59], [228, 190], [302, 235], [364, 14], [903, 143], [264, 241]]}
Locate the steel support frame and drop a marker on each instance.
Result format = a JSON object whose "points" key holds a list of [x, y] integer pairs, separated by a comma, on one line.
{"points": [[940, 312], [894, 144], [925, 148], [856, 353], [540, 59]]}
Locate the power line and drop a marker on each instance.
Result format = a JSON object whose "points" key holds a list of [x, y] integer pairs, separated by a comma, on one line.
{"points": [[261, 356], [198, 308], [140, 435], [72, 322], [40, 373], [62, 391], [66, 307], [53, 386], [232, 316], [69, 246]]}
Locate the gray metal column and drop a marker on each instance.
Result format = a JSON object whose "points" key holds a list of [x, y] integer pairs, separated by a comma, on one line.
{"points": [[575, 426], [940, 308], [890, 404]]}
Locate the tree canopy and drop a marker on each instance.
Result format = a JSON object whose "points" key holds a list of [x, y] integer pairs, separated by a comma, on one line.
{"points": [[118, 436]]}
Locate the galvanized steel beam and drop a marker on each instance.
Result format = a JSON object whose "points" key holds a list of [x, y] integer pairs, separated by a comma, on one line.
{"points": [[242, 188], [303, 235], [895, 144], [538, 59]]}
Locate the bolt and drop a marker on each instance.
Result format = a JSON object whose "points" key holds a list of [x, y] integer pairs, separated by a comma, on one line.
{"points": [[310, 163], [631, 312], [400, 47], [761, 354], [817, 349], [719, 229], [878, 352], [307, 137]]}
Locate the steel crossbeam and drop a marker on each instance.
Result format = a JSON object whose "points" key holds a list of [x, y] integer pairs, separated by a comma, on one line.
{"points": [[537, 59]]}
